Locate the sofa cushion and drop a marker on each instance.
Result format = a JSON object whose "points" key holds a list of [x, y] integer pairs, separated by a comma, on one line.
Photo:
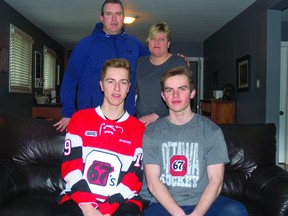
{"points": [[267, 189], [36, 148], [38, 203], [249, 146], [12, 181]]}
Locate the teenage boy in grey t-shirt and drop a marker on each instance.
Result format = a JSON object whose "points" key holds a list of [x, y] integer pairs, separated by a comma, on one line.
{"points": [[184, 157]]}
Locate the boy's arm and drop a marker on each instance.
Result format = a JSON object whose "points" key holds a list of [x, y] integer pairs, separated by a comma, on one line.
{"points": [[159, 191], [128, 188], [213, 189], [72, 171]]}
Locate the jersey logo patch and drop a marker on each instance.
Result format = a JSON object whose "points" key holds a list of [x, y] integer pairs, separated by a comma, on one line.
{"points": [[110, 129], [102, 169], [178, 165], [91, 133], [99, 172]]}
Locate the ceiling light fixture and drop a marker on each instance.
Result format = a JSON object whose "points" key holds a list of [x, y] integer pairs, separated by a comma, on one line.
{"points": [[128, 19]]}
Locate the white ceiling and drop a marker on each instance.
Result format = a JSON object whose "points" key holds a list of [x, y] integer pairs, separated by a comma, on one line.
{"points": [[67, 21]]}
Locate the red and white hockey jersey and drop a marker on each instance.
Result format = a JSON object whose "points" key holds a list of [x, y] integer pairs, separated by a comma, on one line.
{"points": [[102, 160]]}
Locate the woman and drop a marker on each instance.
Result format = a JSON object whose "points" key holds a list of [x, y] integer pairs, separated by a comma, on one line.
{"points": [[149, 104]]}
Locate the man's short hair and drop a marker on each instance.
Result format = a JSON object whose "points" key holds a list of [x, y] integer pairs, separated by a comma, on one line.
{"points": [[116, 63], [180, 70], [111, 2], [157, 28]]}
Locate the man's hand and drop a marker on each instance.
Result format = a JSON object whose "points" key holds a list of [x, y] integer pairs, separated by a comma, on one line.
{"points": [[148, 119], [185, 58], [62, 124]]}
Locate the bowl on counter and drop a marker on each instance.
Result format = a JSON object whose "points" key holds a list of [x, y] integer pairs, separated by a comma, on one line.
{"points": [[42, 99]]}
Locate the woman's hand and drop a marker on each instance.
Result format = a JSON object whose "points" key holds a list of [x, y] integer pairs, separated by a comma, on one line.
{"points": [[149, 119]]}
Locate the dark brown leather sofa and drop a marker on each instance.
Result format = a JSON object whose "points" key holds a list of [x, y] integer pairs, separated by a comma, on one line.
{"points": [[30, 158]]}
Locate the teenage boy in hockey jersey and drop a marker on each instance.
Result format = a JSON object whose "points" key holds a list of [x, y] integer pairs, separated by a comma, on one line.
{"points": [[103, 152]]}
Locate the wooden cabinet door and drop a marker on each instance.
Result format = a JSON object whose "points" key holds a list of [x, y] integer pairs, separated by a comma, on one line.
{"points": [[223, 112], [49, 113]]}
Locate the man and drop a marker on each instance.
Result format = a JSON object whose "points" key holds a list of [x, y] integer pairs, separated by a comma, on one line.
{"points": [[107, 41], [102, 156], [184, 156]]}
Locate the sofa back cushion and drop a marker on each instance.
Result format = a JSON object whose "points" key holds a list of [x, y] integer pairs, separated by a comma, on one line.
{"points": [[250, 146], [36, 148]]}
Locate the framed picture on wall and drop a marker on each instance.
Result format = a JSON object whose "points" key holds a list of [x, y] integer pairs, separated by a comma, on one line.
{"points": [[243, 73], [38, 70]]}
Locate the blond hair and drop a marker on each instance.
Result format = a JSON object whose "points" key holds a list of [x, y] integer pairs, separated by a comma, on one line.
{"points": [[157, 28]]}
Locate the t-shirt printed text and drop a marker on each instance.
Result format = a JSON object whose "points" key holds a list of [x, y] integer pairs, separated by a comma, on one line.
{"points": [[181, 164]]}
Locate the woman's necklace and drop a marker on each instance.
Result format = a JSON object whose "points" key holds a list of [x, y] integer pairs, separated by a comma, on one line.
{"points": [[159, 61]]}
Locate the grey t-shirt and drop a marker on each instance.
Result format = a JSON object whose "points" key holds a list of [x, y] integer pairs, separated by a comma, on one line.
{"points": [[183, 153], [148, 78]]}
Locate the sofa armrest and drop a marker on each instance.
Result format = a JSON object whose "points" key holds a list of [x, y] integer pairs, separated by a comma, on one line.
{"points": [[268, 190], [12, 181]]}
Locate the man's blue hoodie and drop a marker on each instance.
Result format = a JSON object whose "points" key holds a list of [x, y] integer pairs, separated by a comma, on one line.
{"points": [[83, 71]]}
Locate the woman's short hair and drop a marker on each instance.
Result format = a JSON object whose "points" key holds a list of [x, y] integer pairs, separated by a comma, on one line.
{"points": [[157, 28]]}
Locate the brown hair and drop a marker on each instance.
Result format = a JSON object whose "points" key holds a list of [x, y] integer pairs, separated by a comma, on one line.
{"points": [[111, 2], [115, 63], [180, 70]]}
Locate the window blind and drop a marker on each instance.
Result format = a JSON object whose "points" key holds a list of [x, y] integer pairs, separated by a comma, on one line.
{"points": [[49, 69], [20, 64]]}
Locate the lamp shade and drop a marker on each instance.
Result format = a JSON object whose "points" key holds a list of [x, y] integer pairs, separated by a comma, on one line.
{"points": [[128, 19]]}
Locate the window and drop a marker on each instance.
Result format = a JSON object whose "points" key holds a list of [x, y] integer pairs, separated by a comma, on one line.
{"points": [[49, 69], [20, 76]]}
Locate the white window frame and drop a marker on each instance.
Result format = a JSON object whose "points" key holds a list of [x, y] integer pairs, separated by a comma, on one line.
{"points": [[20, 61], [49, 69]]}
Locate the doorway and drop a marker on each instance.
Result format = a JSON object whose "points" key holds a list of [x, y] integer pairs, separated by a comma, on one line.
{"points": [[196, 65], [283, 130]]}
